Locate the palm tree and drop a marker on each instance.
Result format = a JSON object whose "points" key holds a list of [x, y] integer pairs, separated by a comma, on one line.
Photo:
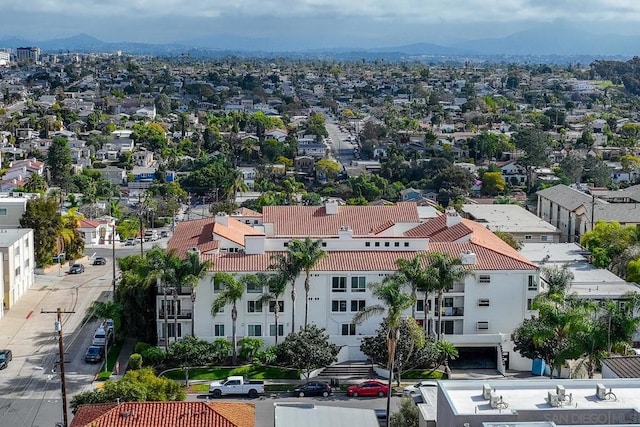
{"points": [[286, 265], [443, 272], [276, 285], [416, 277], [558, 278], [189, 274], [232, 292], [307, 253], [100, 310], [393, 302]]}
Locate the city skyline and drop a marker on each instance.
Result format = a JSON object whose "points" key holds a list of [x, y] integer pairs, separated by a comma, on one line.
{"points": [[310, 24]]}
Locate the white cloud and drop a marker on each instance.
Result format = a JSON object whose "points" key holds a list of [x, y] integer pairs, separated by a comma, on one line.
{"points": [[453, 11]]}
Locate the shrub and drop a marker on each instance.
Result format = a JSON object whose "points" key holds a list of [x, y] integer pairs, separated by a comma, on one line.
{"points": [[135, 361], [153, 356], [141, 347], [249, 347]]}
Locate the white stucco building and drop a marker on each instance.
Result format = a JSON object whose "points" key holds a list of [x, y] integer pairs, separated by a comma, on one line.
{"points": [[362, 245], [18, 264]]}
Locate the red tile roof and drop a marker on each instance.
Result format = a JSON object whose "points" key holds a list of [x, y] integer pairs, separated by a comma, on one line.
{"points": [[199, 234], [165, 414], [87, 223], [247, 212], [292, 221], [436, 230]]}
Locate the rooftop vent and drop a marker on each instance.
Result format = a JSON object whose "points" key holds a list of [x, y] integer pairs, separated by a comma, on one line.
{"points": [[603, 394], [496, 401], [486, 391], [553, 400], [468, 258]]}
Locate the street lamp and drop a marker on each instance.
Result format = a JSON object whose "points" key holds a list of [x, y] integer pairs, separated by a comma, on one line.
{"points": [[193, 312]]}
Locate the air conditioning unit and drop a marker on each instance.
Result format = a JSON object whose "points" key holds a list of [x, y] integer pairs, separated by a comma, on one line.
{"points": [[561, 392], [486, 391], [553, 400], [601, 392], [494, 399]]}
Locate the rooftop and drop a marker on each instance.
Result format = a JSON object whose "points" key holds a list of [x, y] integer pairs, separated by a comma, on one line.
{"points": [[8, 236], [310, 415], [508, 218]]}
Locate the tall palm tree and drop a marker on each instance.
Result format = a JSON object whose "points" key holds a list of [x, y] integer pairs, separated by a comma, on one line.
{"points": [[232, 292], [307, 253], [393, 302], [276, 285], [286, 265], [416, 277], [444, 271], [189, 274], [164, 267]]}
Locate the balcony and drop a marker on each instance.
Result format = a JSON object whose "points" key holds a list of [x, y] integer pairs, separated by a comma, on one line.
{"points": [[181, 290], [458, 287], [171, 314], [452, 311]]}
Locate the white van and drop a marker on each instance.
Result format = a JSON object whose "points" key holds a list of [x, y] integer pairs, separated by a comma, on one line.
{"points": [[151, 235], [101, 337]]}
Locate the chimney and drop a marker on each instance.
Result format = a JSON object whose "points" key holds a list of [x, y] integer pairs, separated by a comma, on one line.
{"points": [[468, 258], [331, 207], [345, 232], [452, 217], [222, 218]]}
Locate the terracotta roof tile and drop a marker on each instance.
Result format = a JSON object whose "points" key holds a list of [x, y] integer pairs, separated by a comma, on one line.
{"points": [[294, 221], [165, 414], [436, 230], [247, 212], [87, 223]]}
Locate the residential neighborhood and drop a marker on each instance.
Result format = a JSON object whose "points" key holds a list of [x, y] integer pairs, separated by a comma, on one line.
{"points": [[338, 227]]}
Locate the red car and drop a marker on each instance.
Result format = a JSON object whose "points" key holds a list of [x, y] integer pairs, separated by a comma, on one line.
{"points": [[368, 388]]}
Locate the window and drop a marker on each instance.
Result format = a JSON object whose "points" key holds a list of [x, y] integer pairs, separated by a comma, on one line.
{"points": [[532, 284], [254, 306], [171, 330], [272, 330], [358, 284], [420, 305], [528, 237], [3, 211], [17, 271], [396, 244], [348, 329], [218, 330], [529, 303], [544, 238], [338, 284], [17, 251], [386, 244], [482, 326], [406, 244], [272, 306], [324, 244], [218, 287], [484, 278], [254, 288], [367, 244], [358, 304], [254, 330], [26, 263], [377, 244], [339, 305], [483, 302]]}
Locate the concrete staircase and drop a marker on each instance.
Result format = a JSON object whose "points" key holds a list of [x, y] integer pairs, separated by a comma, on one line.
{"points": [[347, 371]]}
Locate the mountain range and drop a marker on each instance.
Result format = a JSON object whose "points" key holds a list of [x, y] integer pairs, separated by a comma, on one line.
{"points": [[541, 41]]}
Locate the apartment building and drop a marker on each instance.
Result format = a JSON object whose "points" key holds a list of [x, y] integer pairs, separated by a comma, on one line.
{"points": [[362, 244], [18, 264]]}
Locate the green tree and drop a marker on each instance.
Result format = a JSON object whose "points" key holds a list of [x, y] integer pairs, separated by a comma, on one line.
{"points": [[249, 347], [135, 361], [276, 285], [35, 183], [59, 161], [393, 302], [608, 241], [329, 168], [43, 217], [307, 254], [286, 265], [492, 183], [509, 239], [536, 145], [231, 291], [407, 415], [306, 350], [191, 351], [444, 272], [101, 310], [415, 274]]}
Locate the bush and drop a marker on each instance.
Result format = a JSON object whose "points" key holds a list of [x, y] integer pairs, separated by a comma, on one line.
{"points": [[153, 356], [249, 347], [135, 361], [141, 347], [99, 165]]}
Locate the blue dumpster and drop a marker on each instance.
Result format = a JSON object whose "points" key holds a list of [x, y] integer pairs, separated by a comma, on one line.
{"points": [[538, 367]]}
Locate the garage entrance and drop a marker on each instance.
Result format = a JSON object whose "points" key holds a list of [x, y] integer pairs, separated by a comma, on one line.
{"points": [[476, 358]]}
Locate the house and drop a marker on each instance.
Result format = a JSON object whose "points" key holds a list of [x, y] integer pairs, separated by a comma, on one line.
{"points": [[248, 176], [142, 158], [114, 175], [362, 245], [304, 165], [409, 194], [18, 264], [513, 173], [522, 402], [99, 231], [513, 219], [165, 414], [147, 112], [277, 134]]}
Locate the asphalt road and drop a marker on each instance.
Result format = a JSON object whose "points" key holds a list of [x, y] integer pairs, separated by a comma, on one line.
{"points": [[342, 151], [265, 405]]}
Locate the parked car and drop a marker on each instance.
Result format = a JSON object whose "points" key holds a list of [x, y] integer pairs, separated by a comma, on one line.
{"points": [[236, 385], [76, 269], [313, 388], [368, 388], [415, 389], [130, 242], [94, 354], [165, 233], [100, 261], [5, 357], [108, 324], [102, 337]]}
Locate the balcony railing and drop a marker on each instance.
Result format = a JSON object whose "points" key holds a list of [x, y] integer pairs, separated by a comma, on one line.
{"points": [[182, 314], [452, 311], [458, 287], [181, 290]]}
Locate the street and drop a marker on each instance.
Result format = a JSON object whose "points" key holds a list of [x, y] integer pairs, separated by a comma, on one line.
{"points": [[265, 409], [341, 150]]}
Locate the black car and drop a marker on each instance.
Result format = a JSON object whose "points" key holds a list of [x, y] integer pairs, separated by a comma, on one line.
{"points": [[313, 388], [94, 354], [100, 261], [76, 269], [5, 357]]}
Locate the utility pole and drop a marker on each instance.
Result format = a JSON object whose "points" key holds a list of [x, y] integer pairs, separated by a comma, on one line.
{"points": [[113, 250], [63, 387], [141, 228]]}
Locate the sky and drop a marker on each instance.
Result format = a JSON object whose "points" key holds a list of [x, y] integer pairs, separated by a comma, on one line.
{"points": [[308, 23]]}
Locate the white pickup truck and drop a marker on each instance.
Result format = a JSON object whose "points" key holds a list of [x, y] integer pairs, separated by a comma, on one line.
{"points": [[236, 385]]}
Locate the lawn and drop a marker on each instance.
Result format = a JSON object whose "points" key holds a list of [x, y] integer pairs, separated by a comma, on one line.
{"points": [[112, 357], [422, 375], [248, 371]]}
